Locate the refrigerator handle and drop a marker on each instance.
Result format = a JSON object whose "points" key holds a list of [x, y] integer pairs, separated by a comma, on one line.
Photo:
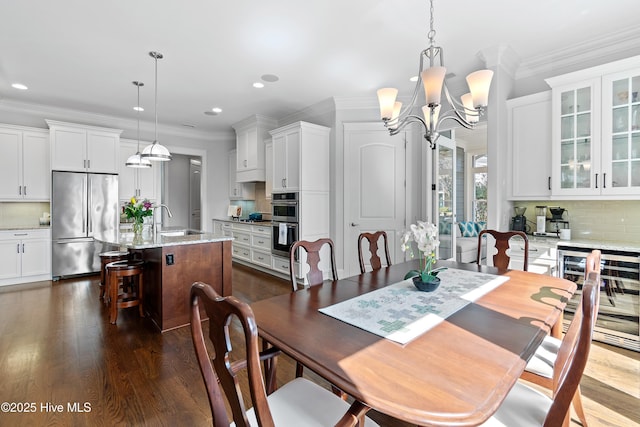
{"points": [[84, 209], [89, 205]]}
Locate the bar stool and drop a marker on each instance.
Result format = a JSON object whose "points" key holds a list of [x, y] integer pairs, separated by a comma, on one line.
{"points": [[131, 294], [106, 258]]}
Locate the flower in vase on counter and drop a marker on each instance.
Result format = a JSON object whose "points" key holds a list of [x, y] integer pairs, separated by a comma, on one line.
{"points": [[138, 209], [426, 237]]}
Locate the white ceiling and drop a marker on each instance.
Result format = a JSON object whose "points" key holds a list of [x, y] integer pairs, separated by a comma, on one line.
{"points": [[84, 54]]}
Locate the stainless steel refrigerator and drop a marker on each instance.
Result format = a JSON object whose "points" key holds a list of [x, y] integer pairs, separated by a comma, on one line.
{"points": [[84, 214]]}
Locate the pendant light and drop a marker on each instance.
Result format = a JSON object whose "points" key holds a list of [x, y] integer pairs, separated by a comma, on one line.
{"points": [[136, 160], [156, 151]]}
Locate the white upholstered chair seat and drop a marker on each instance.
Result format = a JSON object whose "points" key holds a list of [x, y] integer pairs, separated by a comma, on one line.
{"points": [[303, 403], [544, 358], [523, 407]]}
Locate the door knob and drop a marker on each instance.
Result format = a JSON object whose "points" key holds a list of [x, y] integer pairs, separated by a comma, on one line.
{"points": [[353, 224]]}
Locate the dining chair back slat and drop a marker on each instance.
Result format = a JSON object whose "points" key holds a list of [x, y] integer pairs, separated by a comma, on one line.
{"points": [[374, 259]]}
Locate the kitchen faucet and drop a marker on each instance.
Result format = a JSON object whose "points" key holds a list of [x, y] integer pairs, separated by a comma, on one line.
{"points": [[155, 221]]}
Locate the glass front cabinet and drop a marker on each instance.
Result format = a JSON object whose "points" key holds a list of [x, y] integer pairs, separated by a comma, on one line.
{"points": [[596, 131]]}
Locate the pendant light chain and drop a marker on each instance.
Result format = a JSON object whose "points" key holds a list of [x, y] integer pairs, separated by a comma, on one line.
{"points": [[432, 32], [156, 97]]}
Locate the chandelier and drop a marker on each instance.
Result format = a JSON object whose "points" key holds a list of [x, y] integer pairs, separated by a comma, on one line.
{"points": [[465, 112], [156, 151], [136, 160]]}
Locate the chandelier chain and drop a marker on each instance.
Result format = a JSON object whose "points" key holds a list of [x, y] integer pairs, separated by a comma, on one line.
{"points": [[432, 32]]}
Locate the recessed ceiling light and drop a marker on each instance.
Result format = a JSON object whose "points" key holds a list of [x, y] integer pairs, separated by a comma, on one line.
{"points": [[217, 110], [138, 108], [270, 78], [258, 85], [188, 125], [19, 86], [413, 79]]}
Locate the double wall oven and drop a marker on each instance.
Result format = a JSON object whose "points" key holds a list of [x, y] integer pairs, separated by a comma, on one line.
{"points": [[618, 321], [285, 210]]}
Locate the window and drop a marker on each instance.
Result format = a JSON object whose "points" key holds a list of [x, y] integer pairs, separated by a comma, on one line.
{"points": [[479, 174]]}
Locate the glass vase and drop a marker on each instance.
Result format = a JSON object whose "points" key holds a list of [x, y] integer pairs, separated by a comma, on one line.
{"points": [[137, 228]]}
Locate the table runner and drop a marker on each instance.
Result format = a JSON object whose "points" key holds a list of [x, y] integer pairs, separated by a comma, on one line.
{"points": [[400, 312]]}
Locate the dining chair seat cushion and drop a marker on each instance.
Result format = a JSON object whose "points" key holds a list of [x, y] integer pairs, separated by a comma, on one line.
{"points": [[523, 407], [301, 402], [544, 358]]}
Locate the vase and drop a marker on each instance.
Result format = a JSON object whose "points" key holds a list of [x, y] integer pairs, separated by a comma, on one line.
{"points": [[429, 286], [137, 229]]}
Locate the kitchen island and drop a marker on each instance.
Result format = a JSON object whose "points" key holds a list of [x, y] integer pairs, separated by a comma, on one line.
{"points": [[174, 259]]}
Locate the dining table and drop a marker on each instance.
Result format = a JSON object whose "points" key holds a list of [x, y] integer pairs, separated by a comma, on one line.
{"points": [[456, 373]]}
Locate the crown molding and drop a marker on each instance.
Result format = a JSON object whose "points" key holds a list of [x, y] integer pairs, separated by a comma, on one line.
{"points": [[37, 113], [586, 54]]}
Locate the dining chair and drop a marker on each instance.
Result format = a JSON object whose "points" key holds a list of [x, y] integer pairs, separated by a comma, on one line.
{"points": [[525, 406], [540, 368], [297, 403], [374, 259], [501, 258], [315, 275]]}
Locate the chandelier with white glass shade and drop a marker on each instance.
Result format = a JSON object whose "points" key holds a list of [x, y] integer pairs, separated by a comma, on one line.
{"points": [[466, 111], [156, 151], [136, 160]]}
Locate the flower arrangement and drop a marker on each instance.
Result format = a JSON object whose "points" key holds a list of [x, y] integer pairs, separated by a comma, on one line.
{"points": [[426, 237], [138, 209]]}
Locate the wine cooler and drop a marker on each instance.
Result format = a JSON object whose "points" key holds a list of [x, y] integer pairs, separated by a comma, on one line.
{"points": [[618, 321]]}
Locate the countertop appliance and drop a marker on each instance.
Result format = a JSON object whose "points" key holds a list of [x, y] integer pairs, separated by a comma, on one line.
{"points": [[519, 222], [84, 207], [617, 322]]}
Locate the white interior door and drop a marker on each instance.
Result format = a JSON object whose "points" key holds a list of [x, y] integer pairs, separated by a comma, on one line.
{"points": [[445, 196], [374, 188]]}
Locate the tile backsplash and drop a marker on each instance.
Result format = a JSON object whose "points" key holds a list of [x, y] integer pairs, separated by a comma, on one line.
{"points": [[604, 220], [22, 214]]}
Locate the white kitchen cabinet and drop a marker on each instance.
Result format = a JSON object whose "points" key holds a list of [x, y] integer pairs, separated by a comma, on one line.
{"points": [[268, 159], [530, 141], [26, 256], [84, 148], [250, 135], [301, 157], [138, 182], [596, 131], [25, 173], [239, 190], [542, 256]]}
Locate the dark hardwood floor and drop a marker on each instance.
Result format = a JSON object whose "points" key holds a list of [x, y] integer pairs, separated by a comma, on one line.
{"points": [[63, 364]]}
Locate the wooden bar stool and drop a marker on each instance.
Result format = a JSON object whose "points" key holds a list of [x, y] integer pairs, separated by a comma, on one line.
{"points": [[132, 292], [106, 258]]}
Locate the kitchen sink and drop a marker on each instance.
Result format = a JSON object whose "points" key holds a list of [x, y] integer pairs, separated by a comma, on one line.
{"points": [[175, 233]]}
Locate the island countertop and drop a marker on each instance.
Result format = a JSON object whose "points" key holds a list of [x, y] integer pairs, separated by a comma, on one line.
{"points": [[167, 237]]}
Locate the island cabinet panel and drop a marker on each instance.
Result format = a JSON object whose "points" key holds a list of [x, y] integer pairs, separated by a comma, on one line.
{"points": [[171, 270]]}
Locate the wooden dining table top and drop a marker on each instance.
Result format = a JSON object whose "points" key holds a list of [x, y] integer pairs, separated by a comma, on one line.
{"points": [[456, 373]]}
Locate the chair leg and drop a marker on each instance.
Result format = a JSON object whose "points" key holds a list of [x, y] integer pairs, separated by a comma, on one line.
{"points": [[140, 295], [577, 406], [113, 292], [270, 366], [299, 369]]}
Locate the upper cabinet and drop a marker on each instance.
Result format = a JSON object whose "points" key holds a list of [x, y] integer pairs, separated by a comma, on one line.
{"points": [[250, 135], [24, 165], [84, 148], [300, 158], [530, 141], [138, 182], [239, 190], [596, 131]]}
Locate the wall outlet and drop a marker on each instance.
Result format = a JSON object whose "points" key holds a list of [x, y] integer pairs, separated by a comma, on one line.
{"points": [[169, 259]]}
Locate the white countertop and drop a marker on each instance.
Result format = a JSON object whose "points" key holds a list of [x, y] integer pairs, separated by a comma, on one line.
{"points": [[126, 240], [599, 244]]}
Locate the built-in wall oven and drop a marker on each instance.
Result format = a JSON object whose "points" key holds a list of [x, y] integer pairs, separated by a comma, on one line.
{"points": [[284, 211], [618, 320]]}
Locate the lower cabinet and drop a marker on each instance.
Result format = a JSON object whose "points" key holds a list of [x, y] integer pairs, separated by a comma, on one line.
{"points": [[26, 256], [542, 256], [252, 246]]}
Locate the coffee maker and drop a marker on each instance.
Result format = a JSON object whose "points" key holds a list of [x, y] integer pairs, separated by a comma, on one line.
{"points": [[519, 222]]}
